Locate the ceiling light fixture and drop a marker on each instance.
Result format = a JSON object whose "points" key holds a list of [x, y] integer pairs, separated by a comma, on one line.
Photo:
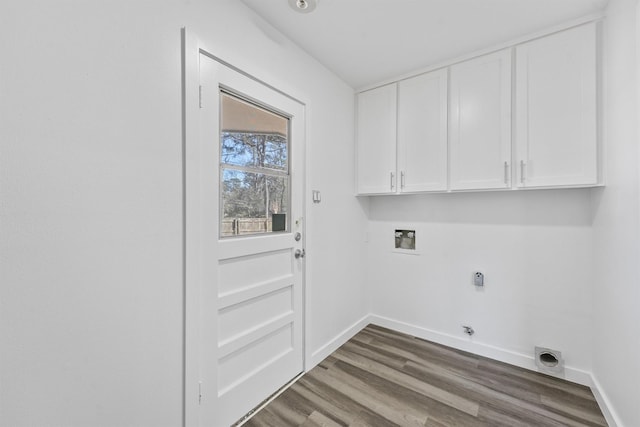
{"points": [[303, 6]]}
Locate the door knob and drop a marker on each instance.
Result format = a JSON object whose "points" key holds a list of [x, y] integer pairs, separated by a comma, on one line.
{"points": [[299, 253]]}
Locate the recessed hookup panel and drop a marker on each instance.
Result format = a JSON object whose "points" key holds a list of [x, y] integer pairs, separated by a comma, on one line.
{"points": [[405, 239]]}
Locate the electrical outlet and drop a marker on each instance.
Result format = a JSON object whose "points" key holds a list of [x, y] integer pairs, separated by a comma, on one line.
{"points": [[478, 279]]}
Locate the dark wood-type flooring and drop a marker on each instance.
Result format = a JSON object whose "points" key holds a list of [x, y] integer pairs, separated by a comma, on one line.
{"points": [[385, 378]]}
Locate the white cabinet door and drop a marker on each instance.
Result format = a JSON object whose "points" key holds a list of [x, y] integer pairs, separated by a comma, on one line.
{"points": [[422, 132], [480, 122], [376, 140], [556, 136]]}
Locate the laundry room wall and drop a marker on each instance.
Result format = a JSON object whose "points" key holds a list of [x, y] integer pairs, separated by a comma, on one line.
{"points": [[91, 301]]}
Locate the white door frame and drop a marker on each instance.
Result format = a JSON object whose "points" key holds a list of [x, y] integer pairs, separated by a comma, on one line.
{"points": [[194, 251]]}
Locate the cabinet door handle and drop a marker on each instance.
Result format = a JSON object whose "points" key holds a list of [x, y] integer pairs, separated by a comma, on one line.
{"points": [[402, 179], [522, 166], [506, 173], [392, 176]]}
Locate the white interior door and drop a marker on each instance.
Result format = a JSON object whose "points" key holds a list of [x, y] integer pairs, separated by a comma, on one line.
{"points": [[252, 241]]}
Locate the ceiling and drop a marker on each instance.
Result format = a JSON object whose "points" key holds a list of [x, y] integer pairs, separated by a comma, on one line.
{"points": [[369, 41]]}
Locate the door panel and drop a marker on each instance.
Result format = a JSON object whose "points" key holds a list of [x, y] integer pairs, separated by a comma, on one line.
{"points": [[556, 109], [252, 287], [239, 364], [376, 140], [238, 273], [480, 129], [238, 318], [422, 132]]}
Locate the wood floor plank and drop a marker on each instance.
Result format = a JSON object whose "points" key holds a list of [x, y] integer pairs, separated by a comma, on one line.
{"points": [[419, 343], [580, 413], [384, 378], [405, 399], [484, 394], [410, 382], [446, 380], [377, 353], [356, 411], [316, 419], [265, 418], [385, 406], [510, 382], [431, 351], [289, 411], [497, 417], [435, 423], [435, 409], [533, 379], [338, 410], [362, 337]]}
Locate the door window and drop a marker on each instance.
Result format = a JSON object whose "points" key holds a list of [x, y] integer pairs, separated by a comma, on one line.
{"points": [[254, 168]]}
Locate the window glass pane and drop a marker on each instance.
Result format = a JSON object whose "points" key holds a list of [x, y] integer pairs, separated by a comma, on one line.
{"points": [[254, 162], [254, 150], [253, 203]]}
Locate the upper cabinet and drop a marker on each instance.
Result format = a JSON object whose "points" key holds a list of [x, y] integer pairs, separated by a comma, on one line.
{"points": [[454, 129], [480, 122], [376, 140], [402, 136], [556, 114], [422, 132]]}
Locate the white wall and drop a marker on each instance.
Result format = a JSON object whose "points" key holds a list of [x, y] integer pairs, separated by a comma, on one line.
{"points": [[90, 219], [561, 266], [91, 290], [616, 347], [534, 248]]}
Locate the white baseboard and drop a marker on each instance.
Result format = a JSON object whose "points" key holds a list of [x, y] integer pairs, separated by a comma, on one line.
{"points": [[344, 336], [605, 404], [496, 353]]}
